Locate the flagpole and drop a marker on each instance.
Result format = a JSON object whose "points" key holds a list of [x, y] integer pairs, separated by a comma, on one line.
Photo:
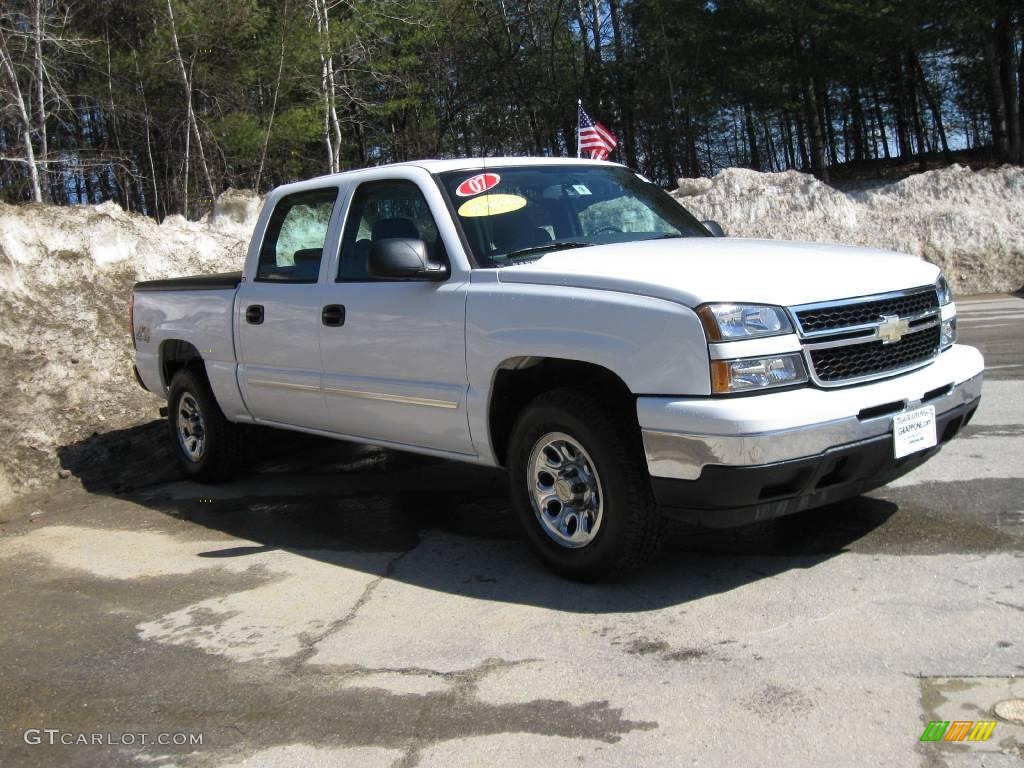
{"points": [[579, 106]]}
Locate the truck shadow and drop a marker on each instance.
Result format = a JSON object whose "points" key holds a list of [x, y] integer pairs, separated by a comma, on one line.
{"points": [[449, 525]]}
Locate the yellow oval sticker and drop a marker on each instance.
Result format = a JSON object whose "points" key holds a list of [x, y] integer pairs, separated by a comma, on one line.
{"points": [[491, 205]]}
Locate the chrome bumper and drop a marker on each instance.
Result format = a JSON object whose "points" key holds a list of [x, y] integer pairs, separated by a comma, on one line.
{"points": [[681, 437]]}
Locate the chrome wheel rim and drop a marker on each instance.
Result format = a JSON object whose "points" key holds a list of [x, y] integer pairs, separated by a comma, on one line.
{"points": [[191, 428], [565, 490]]}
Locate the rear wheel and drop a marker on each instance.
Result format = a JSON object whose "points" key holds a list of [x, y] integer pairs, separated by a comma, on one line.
{"points": [[208, 445], [580, 486]]}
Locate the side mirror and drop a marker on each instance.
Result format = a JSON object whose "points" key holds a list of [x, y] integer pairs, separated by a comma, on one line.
{"points": [[714, 228], [403, 257]]}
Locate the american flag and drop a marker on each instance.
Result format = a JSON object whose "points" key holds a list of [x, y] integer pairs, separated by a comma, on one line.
{"points": [[594, 137]]}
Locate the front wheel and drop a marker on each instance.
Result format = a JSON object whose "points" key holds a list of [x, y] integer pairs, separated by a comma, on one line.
{"points": [[208, 445], [580, 487]]}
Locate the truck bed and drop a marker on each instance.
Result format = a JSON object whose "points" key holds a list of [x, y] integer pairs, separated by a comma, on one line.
{"points": [[218, 282]]}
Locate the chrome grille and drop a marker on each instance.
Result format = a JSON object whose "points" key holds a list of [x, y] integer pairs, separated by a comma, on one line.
{"points": [[853, 340], [833, 317], [855, 361]]}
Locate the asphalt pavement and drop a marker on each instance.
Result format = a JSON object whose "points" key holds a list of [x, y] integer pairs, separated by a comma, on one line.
{"points": [[342, 605]]}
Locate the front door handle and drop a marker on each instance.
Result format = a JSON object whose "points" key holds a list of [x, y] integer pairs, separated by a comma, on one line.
{"points": [[333, 315], [254, 314]]}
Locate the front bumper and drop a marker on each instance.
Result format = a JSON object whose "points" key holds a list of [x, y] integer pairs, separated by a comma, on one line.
{"points": [[730, 461]]}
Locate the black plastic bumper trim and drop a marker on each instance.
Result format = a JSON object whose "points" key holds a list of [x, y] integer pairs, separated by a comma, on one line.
{"points": [[729, 496]]}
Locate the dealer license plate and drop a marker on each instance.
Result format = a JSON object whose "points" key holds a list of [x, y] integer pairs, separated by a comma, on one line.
{"points": [[913, 431]]}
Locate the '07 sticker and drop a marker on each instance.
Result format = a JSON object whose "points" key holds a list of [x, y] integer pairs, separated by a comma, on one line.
{"points": [[474, 185]]}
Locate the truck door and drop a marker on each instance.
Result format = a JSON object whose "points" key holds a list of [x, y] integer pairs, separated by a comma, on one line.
{"points": [[395, 369], [277, 313]]}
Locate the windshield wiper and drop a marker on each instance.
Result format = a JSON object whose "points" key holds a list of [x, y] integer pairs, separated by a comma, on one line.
{"points": [[552, 246]]}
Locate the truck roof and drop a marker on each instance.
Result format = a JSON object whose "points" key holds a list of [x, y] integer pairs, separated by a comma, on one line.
{"points": [[433, 166], [439, 166]]}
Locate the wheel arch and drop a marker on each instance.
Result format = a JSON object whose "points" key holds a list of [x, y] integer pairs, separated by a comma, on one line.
{"points": [[176, 354], [517, 381]]}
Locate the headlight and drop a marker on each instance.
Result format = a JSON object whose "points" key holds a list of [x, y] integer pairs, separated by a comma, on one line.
{"points": [[947, 333], [728, 322], [755, 373]]}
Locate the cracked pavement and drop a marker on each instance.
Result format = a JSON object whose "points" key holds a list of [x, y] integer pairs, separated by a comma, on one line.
{"points": [[343, 605]]}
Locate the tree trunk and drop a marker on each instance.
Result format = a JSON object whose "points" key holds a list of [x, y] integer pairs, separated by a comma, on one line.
{"points": [[858, 127], [769, 147], [191, 115], [584, 48], [1007, 78], [812, 114], [903, 146], [996, 100], [328, 86], [755, 153], [880, 118], [673, 124], [801, 142], [273, 109], [933, 107], [623, 77], [44, 152], [787, 135], [1020, 91], [915, 114], [185, 164], [26, 134], [668, 155], [826, 117], [113, 124], [155, 213]]}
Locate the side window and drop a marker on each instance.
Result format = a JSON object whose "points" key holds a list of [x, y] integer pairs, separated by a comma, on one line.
{"points": [[293, 245], [383, 209]]}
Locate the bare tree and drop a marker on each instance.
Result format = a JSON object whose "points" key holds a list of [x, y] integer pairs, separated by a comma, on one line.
{"points": [[37, 37], [149, 145], [32, 37], [328, 86], [17, 99], [186, 80], [273, 104]]}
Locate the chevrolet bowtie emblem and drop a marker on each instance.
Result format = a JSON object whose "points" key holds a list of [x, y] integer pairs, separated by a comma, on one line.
{"points": [[892, 328]]}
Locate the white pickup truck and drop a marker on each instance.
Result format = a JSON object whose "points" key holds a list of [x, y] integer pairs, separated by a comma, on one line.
{"points": [[567, 320]]}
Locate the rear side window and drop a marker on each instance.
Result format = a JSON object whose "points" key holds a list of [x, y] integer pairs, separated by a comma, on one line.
{"points": [[293, 245]]}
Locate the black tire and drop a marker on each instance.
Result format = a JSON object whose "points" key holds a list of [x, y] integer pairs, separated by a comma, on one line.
{"points": [[221, 454], [630, 529]]}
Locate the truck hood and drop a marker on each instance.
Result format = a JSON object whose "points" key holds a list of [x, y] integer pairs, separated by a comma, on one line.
{"points": [[692, 271]]}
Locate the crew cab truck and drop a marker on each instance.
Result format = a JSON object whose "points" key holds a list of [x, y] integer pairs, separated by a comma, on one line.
{"points": [[569, 321]]}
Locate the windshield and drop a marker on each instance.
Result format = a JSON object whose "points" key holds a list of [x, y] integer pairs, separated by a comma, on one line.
{"points": [[514, 214]]}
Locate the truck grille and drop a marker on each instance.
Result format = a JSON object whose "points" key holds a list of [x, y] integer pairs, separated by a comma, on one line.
{"points": [[859, 339], [875, 357], [846, 315]]}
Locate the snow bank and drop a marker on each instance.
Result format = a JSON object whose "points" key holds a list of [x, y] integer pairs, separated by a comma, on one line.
{"points": [[66, 274], [65, 351], [967, 222]]}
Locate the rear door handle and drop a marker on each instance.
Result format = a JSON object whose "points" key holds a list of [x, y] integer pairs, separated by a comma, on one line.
{"points": [[333, 315], [254, 314]]}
